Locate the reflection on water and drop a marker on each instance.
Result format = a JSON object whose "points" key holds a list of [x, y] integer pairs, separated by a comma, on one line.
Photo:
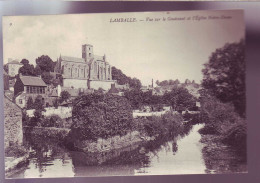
{"points": [[179, 155]]}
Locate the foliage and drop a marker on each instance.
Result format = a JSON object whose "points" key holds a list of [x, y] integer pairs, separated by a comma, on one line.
{"points": [[97, 115], [27, 69], [166, 124], [56, 103], [39, 108], [6, 68], [52, 121], [179, 98], [167, 82], [224, 75], [222, 120], [45, 63], [122, 79], [15, 150], [64, 96], [47, 77], [30, 104], [24, 61], [135, 98]]}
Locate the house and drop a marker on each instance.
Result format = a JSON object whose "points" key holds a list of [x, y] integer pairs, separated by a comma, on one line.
{"points": [[13, 129], [13, 67], [28, 86]]}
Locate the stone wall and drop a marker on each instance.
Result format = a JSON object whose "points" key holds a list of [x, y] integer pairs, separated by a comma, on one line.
{"points": [[13, 129], [75, 83], [112, 143], [106, 85]]}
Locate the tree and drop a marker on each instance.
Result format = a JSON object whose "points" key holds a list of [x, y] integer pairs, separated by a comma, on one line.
{"points": [[179, 98], [56, 103], [37, 71], [122, 79], [30, 104], [39, 108], [224, 75], [135, 83], [187, 81], [64, 96], [100, 116], [6, 68], [135, 97], [24, 61], [47, 77], [27, 69], [45, 63]]}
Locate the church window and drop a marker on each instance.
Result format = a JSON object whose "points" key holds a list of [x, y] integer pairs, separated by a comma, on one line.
{"points": [[43, 90]]}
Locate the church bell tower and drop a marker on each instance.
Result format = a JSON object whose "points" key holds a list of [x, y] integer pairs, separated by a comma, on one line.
{"points": [[87, 52]]}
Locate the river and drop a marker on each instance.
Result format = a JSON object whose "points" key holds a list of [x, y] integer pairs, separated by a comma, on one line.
{"points": [[180, 155]]}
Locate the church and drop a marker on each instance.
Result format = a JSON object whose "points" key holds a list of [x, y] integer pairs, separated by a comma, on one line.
{"points": [[89, 72]]}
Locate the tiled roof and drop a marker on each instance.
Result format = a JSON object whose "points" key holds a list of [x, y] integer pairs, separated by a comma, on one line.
{"points": [[32, 81], [14, 62], [72, 59]]}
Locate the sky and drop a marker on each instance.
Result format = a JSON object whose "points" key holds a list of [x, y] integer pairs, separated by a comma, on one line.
{"points": [[158, 50]]}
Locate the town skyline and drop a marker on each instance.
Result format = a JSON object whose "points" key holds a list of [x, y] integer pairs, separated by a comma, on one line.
{"points": [[145, 50]]}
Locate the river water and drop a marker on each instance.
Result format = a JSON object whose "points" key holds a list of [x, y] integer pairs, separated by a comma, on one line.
{"points": [[180, 155]]}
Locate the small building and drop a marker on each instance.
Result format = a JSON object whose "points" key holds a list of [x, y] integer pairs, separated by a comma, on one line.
{"points": [[28, 86], [13, 67], [13, 129]]}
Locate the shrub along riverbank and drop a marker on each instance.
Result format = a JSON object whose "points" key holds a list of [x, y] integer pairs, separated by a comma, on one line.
{"points": [[223, 126], [106, 121]]}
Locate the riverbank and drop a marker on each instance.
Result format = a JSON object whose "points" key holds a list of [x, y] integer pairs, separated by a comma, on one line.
{"points": [[221, 158]]}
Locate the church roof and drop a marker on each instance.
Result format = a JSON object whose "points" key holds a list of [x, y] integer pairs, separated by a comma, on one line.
{"points": [[72, 59], [32, 81]]}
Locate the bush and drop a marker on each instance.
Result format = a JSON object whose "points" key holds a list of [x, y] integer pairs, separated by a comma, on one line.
{"points": [[224, 122], [221, 116], [100, 116], [52, 121], [168, 123], [15, 151], [236, 137]]}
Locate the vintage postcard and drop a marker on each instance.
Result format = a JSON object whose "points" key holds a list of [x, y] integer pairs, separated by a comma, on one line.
{"points": [[124, 94]]}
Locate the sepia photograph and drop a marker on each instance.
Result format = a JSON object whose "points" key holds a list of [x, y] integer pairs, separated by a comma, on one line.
{"points": [[124, 94]]}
